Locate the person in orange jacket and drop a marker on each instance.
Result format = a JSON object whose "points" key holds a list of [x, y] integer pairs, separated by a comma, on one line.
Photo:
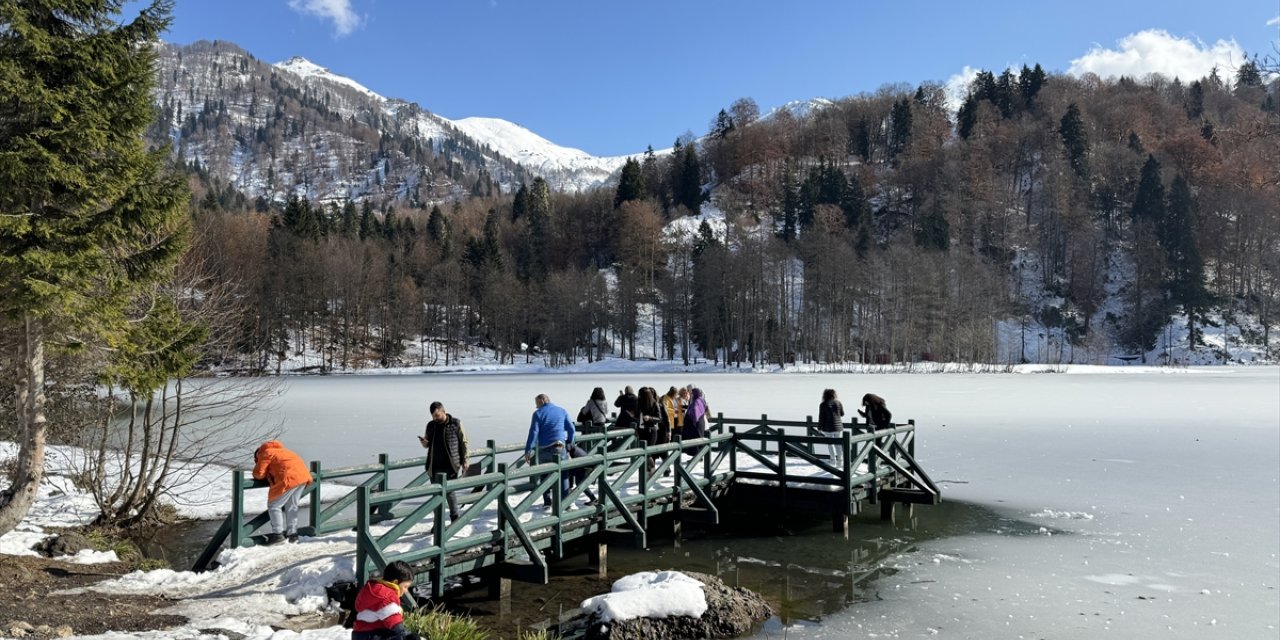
{"points": [[289, 479]]}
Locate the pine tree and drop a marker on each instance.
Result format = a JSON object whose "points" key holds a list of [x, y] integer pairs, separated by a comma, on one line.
{"points": [[1186, 267], [967, 116], [1030, 81], [1248, 75], [790, 200], [900, 116], [520, 204], [1075, 139], [368, 223], [630, 183], [688, 180], [1148, 204], [723, 126], [87, 215], [438, 229]]}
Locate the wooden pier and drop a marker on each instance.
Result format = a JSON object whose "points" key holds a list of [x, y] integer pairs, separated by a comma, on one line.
{"points": [[504, 532]]}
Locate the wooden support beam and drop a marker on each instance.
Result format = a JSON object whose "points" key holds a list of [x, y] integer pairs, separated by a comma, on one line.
{"points": [[840, 524], [598, 558], [886, 509]]}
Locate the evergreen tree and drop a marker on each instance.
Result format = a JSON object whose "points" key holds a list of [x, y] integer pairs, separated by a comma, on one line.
{"points": [[87, 215], [438, 229], [348, 227], [900, 116], [860, 139], [531, 262], [1074, 138], [687, 179], [967, 116], [934, 233], [368, 222], [723, 126], [520, 204], [630, 183], [1186, 268], [1030, 81], [790, 200], [1248, 75], [1148, 204]]}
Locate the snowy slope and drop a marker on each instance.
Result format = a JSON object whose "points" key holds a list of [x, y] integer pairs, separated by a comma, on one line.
{"points": [[310, 71], [565, 168], [538, 154]]}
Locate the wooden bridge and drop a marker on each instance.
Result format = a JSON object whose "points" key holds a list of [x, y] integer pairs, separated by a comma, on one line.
{"points": [[504, 530]]}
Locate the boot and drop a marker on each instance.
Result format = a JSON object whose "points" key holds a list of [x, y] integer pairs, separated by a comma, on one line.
{"points": [[274, 538]]}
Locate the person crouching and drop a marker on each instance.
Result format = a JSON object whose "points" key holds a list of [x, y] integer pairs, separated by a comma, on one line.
{"points": [[379, 614], [289, 478]]}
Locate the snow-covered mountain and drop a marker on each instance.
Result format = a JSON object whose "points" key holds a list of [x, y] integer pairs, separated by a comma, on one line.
{"points": [[564, 168], [295, 127]]}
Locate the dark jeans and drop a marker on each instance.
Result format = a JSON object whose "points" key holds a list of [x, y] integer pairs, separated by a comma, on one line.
{"points": [[579, 475], [449, 497], [551, 453]]}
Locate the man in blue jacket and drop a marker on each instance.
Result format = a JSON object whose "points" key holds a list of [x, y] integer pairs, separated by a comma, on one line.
{"points": [[550, 433]]}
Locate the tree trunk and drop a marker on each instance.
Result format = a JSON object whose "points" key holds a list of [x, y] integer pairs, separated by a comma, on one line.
{"points": [[18, 498]]}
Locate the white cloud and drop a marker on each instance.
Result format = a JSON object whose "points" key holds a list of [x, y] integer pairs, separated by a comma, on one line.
{"points": [[1274, 22], [957, 87], [339, 11], [1157, 51]]}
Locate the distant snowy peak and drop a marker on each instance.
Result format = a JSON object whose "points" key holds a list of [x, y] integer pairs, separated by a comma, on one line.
{"points": [[801, 108], [532, 150], [308, 70]]}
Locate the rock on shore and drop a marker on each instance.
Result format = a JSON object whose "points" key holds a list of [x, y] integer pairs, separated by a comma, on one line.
{"points": [[730, 612]]}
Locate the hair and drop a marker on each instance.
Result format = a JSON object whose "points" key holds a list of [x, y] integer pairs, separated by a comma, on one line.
{"points": [[828, 395], [696, 393], [648, 398], [542, 398], [398, 571], [673, 392], [873, 400], [436, 405], [628, 391], [597, 393]]}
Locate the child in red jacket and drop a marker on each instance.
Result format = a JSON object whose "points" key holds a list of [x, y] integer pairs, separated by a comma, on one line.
{"points": [[378, 612]]}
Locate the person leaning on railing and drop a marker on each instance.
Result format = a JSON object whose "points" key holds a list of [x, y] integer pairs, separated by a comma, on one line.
{"points": [[877, 414], [550, 431]]}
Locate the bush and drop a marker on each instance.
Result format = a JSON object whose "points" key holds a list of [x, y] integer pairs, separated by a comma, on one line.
{"points": [[438, 624]]}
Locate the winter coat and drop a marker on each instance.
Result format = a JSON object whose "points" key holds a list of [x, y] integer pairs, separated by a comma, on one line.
{"points": [[830, 414], [455, 446], [598, 410], [378, 610], [628, 411], [280, 467], [550, 424], [695, 417], [879, 417], [672, 414]]}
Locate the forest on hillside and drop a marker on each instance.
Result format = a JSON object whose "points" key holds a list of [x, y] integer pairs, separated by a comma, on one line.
{"points": [[882, 227]]}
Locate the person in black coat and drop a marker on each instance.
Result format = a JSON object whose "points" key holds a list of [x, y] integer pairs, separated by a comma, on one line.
{"points": [[446, 445], [877, 414], [831, 423], [628, 409]]}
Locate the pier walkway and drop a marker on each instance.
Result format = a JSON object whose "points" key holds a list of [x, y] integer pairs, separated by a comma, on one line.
{"points": [[504, 530]]}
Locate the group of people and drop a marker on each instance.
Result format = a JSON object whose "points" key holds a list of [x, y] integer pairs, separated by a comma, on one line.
{"points": [[681, 411], [831, 417]]}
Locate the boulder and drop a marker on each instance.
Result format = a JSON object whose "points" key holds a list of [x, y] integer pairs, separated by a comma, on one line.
{"points": [[67, 544], [731, 612]]}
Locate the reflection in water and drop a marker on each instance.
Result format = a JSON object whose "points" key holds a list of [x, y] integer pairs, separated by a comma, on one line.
{"points": [[803, 569]]}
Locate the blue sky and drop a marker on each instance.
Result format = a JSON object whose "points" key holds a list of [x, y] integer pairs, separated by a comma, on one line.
{"points": [[612, 76]]}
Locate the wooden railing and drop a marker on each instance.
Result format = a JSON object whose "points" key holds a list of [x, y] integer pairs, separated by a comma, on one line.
{"points": [[501, 524]]}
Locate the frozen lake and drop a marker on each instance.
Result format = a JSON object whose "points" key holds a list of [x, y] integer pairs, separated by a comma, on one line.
{"points": [[1153, 498]]}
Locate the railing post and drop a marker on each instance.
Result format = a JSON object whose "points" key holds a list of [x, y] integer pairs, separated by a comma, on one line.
{"points": [[237, 508], [873, 467], [362, 530], [557, 505], [384, 460], [314, 516], [846, 457], [493, 455], [809, 430], [503, 539], [911, 444], [764, 426], [733, 450]]}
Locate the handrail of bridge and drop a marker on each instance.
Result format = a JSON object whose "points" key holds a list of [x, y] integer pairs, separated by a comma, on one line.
{"points": [[613, 461], [622, 480]]}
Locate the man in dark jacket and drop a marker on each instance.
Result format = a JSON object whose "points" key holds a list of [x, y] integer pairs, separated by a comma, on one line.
{"points": [[446, 445]]}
